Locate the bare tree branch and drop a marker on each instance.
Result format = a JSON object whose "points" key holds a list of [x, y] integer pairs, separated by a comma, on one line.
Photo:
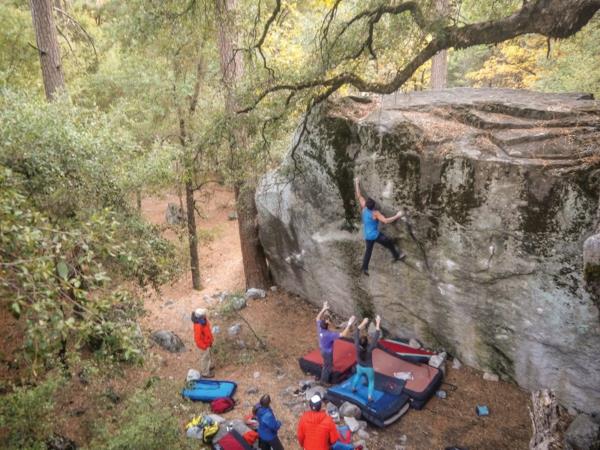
{"points": [[83, 30], [271, 19], [265, 32]]}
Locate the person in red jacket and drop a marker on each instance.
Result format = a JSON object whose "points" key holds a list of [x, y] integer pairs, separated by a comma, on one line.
{"points": [[204, 340], [316, 430]]}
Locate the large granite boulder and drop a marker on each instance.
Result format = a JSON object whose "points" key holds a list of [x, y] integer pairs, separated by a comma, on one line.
{"points": [[501, 189]]}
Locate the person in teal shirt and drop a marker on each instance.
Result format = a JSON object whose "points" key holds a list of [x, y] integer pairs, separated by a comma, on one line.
{"points": [[371, 218]]}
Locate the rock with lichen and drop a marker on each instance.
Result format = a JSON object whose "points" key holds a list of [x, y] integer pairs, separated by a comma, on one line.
{"points": [[500, 189]]}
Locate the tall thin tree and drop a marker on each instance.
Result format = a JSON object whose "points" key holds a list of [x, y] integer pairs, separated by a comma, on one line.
{"points": [[185, 116], [47, 45], [439, 63], [255, 265]]}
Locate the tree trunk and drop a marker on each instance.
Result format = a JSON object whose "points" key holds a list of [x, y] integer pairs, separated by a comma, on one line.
{"points": [[439, 63], [138, 199], [253, 255], [192, 234], [545, 420], [47, 44]]}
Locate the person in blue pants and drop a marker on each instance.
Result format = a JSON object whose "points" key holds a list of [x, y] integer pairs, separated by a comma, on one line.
{"points": [[371, 218], [364, 355]]}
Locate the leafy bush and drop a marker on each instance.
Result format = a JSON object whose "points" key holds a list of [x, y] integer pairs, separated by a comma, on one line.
{"points": [[69, 237], [26, 415], [146, 423]]}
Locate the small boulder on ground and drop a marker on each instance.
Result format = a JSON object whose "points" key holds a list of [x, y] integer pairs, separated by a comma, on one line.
{"points": [[238, 303], [349, 410], [232, 215], [490, 376], [168, 340], [255, 293], [583, 434], [363, 434], [234, 329], [315, 390]]}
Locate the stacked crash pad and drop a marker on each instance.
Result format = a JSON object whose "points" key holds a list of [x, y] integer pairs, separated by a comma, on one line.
{"points": [[344, 359], [392, 360]]}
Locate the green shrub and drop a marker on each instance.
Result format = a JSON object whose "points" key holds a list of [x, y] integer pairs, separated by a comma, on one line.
{"points": [[27, 416], [69, 239], [145, 424]]}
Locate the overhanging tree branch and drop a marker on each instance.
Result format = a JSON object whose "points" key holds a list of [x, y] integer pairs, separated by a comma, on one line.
{"points": [[81, 28], [550, 18]]}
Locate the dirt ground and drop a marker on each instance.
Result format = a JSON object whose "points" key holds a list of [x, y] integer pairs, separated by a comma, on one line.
{"points": [[285, 323]]}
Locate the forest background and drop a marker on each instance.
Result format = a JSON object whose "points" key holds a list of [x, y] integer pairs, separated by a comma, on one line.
{"points": [[150, 101]]}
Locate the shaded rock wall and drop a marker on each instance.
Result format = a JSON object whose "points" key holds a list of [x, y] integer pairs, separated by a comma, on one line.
{"points": [[502, 190]]}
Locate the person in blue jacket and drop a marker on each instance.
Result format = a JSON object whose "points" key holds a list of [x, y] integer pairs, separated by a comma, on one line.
{"points": [[371, 218], [268, 425]]}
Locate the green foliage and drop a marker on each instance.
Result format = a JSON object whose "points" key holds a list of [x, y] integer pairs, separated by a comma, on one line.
{"points": [[574, 63], [531, 62], [146, 423], [71, 160], [69, 236], [19, 62], [27, 416]]}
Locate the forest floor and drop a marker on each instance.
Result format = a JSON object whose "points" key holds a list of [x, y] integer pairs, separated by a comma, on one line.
{"points": [[286, 324]]}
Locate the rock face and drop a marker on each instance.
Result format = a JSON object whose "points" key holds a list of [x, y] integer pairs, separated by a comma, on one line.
{"points": [[501, 189], [583, 434]]}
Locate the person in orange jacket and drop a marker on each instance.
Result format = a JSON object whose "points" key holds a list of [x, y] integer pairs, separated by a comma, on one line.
{"points": [[316, 429], [204, 339]]}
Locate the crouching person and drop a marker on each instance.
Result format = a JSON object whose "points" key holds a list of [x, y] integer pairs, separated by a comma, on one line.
{"points": [[204, 339], [268, 425], [316, 429]]}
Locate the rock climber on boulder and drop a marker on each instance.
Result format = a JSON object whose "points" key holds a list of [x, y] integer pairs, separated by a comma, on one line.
{"points": [[371, 217]]}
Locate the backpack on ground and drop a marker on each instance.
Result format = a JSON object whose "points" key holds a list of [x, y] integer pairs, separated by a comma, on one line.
{"points": [[250, 437], [222, 405], [345, 434], [202, 427]]}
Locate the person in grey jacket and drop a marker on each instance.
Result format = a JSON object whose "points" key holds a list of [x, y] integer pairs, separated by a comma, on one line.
{"points": [[364, 355]]}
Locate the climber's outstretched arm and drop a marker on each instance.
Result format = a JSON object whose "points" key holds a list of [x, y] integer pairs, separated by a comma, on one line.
{"points": [[322, 312], [359, 197], [377, 215]]}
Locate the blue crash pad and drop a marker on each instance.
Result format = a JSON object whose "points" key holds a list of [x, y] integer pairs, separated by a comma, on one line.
{"points": [[208, 390], [389, 402]]}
